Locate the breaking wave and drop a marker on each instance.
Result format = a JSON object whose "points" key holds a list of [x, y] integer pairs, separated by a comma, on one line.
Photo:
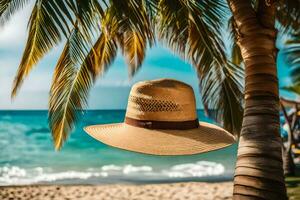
{"points": [[14, 175]]}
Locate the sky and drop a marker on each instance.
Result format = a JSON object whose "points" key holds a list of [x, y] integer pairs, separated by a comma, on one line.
{"points": [[110, 91]]}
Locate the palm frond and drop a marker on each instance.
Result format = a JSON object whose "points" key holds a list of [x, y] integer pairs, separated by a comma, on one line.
{"points": [[187, 22], [134, 31], [44, 33], [135, 46], [225, 97], [105, 50], [88, 14], [193, 29], [9, 7], [66, 96], [74, 75], [288, 14], [61, 14], [152, 10], [236, 56], [48, 20], [292, 88], [173, 25], [292, 58]]}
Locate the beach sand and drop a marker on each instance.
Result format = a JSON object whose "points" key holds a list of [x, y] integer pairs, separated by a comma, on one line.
{"points": [[176, 191]]}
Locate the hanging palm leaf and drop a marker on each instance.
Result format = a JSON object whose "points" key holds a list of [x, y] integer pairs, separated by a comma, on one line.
{"points": [[9, 7], [293, 88], [74, 75], [63, 100], [173, 25], [288, 15], [48, 20], [194, 31], [225, 97], [292, 56], [88, 14], [44, 34], [133, 32], [135, 46]]}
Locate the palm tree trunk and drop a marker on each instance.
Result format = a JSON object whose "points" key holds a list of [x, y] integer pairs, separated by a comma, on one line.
{"points": [[288, 162], [259, 169]]}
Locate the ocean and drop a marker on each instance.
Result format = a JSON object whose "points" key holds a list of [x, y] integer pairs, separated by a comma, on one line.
{"points": [[27, 155]]}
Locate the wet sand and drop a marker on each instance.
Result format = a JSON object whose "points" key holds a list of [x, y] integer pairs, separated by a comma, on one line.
{"points": [[176, 191]]}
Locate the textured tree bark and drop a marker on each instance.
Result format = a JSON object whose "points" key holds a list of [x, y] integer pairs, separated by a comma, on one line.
{"points": [[288, 162], [259, 169]]}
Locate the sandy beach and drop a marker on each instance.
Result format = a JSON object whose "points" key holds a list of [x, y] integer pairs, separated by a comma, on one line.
{"points": [[176, 191]]}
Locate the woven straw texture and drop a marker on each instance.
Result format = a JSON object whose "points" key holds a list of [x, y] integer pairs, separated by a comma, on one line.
{"points": [[162, 100]]}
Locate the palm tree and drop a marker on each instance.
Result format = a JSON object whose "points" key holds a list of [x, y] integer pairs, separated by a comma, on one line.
{"points": [[94, 30]]}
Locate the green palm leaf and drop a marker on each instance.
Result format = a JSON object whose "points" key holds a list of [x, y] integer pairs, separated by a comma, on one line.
{"points": [[88, 14], [133, 31], [48, 20], [62, 110], [225, 97], [135, 46], [9, 7], [193, 29], [292, 56], [64, 102], [173, 25], [293, 88], [151, 7], [288, 14], [44, 34], [74, 75]]}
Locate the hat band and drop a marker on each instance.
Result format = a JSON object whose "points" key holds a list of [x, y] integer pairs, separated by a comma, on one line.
{"points": [[180, 125]]}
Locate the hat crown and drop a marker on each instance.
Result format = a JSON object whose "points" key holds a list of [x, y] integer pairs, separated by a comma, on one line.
{"points": [[162, 100]]}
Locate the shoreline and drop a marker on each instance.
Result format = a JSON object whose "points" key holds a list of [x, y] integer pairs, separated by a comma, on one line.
{"points": [[179, 191]]}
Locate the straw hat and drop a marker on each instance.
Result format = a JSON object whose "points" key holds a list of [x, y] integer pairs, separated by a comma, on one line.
{"points": [[161, 119]]}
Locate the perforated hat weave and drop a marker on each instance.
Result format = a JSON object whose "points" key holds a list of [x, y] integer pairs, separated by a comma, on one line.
{"points": [[161, 119]]}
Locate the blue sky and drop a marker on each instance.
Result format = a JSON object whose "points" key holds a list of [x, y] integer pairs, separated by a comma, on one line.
{"points": [[110, 91]]}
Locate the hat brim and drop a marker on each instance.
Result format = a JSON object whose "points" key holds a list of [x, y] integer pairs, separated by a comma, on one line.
{"points": [[207, 137]]}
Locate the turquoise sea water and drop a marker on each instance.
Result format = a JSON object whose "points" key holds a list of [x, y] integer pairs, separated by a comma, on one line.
{"points": [[27, 155]]}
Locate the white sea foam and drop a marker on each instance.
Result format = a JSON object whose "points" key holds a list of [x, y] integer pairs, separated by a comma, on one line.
{"points": [[111, 168], [12, 172], [199, 169], [18, 176], [13, 175], [127, 169]]}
